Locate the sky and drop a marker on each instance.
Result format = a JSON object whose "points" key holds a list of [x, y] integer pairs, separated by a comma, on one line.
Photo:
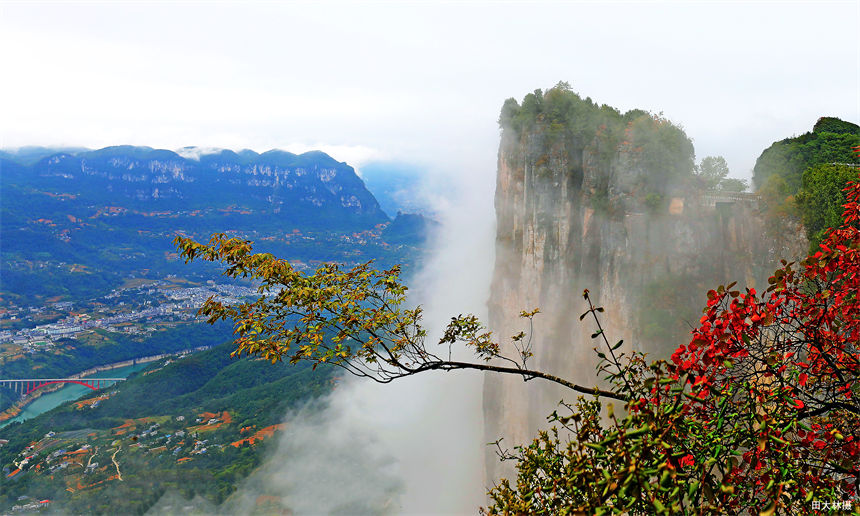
{"points": [[420, 82]]}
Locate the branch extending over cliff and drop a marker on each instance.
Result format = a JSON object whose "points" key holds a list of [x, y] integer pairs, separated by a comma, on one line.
{"points": [[353, 319]]}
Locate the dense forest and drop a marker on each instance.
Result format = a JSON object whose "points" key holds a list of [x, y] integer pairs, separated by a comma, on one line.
{"points": [[562, 119], [802, 177]]}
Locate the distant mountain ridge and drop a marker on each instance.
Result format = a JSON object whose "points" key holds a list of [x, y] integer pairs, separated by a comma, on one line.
{"points": [[77, 223], [280, 182], [33, 153]]}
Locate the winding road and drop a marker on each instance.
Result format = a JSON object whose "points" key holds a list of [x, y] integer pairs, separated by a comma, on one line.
{"points": [[115, 463]]}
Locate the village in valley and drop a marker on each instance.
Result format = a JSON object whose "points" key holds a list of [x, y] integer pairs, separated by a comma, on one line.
{"points": [[138, 309], [94, 458], [146, 300]]}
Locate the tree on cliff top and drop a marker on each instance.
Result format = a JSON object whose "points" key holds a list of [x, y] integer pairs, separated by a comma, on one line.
{"points": [[760, 411], [781, 166], [713, 172], [654, 155]]}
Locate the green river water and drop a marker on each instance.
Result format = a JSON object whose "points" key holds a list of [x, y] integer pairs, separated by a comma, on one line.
{"points": [[70, 392]]}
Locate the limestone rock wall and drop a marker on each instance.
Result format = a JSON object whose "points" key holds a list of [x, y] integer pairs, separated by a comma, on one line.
{"points": [[646, 267]]}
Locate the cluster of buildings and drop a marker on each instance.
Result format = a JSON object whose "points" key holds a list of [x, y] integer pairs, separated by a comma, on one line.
{"points": [[30, 505], [173, 304], [52, 454]]}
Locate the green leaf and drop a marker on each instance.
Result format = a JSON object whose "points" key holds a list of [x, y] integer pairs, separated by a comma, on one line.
{"points": [[644, 429], [692, 488]]}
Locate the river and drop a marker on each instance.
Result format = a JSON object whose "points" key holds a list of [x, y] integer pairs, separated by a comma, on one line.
{"points": [[70, 392]]}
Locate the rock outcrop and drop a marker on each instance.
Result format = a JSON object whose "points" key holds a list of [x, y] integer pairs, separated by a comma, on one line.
{"points": [[587, 198]]}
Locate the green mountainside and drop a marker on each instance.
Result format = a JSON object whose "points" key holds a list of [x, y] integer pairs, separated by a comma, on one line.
{"points": [[77, 225], [115, 212], [87, 236], [89, 276], [802, 177], [830, 141], [196, 427], [560, 127], [71, 356]]}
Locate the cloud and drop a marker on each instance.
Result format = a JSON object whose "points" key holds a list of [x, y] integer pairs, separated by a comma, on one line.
{"points": [[388, 77], [326, 462], [195, 152], [354, 155]]}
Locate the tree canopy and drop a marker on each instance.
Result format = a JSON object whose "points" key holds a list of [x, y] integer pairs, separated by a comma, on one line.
{"points": [[830, 142], [713, 172], [821, 197], [655, 155], [778, 175]]}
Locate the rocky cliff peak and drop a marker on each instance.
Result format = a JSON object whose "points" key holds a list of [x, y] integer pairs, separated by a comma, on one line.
{"points": [[588, 197]]}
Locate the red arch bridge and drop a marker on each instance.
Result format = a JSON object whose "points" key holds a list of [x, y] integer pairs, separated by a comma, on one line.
{"points": [[25, 386]]}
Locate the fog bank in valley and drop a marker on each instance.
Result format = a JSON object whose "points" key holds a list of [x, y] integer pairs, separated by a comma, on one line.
{"points": [[415, 445]]}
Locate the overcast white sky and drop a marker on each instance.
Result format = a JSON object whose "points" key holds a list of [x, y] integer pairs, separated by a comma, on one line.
{"points": [[420, 82]]}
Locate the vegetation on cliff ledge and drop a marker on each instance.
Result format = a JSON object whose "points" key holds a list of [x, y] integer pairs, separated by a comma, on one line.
{"points": [[802, 177], [651, 156]]}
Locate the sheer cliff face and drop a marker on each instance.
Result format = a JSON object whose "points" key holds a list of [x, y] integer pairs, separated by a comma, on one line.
{"points": [[576, 213]]}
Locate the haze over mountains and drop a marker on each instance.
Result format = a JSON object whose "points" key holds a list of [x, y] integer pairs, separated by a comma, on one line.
{"points": [[121, 207], [310, 186]]}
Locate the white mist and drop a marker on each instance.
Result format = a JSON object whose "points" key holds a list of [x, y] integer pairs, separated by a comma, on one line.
{"points": [[416, 445]]}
